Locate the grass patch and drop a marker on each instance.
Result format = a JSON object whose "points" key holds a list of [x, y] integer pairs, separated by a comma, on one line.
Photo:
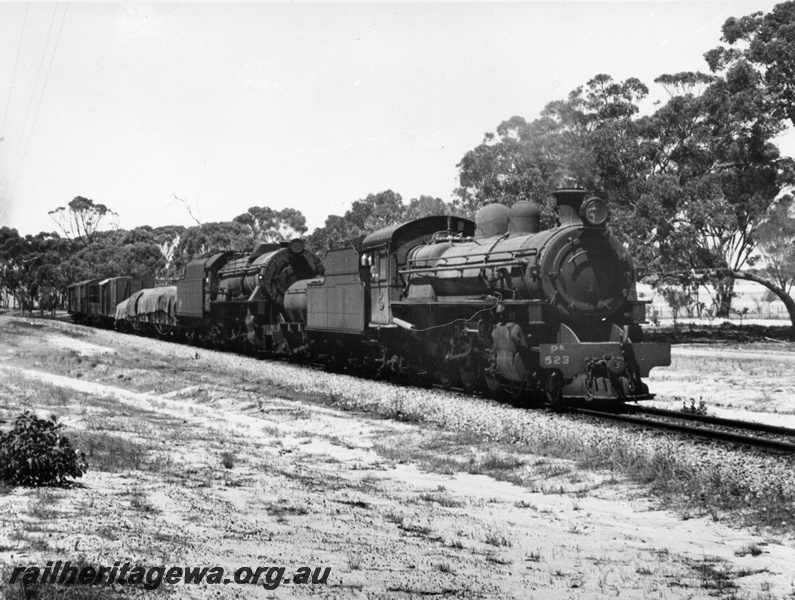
{"points": [[561, 464], [421, 530], [282, 508], [444, 568], [112, 453], [228, 460], [442, 499], [719, 579], [458, 452], [503, 562], [500, 541], [139, 502], [752, 549], [678, 473]]}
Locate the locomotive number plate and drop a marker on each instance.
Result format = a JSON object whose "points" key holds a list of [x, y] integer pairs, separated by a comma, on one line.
{"points": [[570, 359], [556, 357]]}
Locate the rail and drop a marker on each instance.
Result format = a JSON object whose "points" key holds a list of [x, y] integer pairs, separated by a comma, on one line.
{"points": [[715, 434]]}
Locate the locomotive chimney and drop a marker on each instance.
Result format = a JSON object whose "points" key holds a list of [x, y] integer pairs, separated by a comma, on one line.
{"points": [[569, 201]]}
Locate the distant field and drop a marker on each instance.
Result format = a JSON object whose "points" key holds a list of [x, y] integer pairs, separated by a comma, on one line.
{"points": [[761, 306]]}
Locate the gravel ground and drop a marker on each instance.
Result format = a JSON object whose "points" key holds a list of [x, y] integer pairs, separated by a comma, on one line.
{"points": [[761, 474], [311, 484]]}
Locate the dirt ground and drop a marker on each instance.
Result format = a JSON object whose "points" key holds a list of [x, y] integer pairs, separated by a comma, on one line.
{"points": [[755, 382], [224, 472]]}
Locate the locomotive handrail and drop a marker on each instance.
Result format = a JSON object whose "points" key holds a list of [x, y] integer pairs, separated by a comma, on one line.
{"points": [[509, 263], [513, 253], [577, 255], [448, 236]]}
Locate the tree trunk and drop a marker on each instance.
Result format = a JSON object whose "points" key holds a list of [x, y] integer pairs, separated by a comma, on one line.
{"points": [[724, 293], [788, 301]]}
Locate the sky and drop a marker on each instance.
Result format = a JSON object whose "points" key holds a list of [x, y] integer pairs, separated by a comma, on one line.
{"points": [[310, 106]]}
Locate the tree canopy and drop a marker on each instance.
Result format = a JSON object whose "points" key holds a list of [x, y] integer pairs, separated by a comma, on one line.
{"points": [[688, 184], [698, 189], [765, 43], [268, 225], [80, 219], [371, 213]]}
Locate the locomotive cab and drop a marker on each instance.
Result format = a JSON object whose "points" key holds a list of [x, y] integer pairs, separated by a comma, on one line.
{"points": [[387, 253]]}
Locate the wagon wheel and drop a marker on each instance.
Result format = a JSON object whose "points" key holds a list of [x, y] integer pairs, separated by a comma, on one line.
{"points": [[553, 389], [514, 390], [336, 361], [447, 373], [491, 384], [469, 370], [163, 327], [446, 369]]}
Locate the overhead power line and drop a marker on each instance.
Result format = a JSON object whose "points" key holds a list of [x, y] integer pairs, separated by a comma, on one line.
{"points": [[14, 73], [41, 97], [35, 87], [16, 167]]}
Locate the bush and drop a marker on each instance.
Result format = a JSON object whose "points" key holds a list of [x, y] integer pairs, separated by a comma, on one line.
{"points": [[34, 453]]}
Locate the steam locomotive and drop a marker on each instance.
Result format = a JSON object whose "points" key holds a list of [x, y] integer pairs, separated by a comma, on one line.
{"points": [[498, 305]]}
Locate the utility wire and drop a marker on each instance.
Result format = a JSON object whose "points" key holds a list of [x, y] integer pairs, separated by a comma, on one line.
{"points": [[41, 97], [35, 86], [13, 163], [14, 74]]}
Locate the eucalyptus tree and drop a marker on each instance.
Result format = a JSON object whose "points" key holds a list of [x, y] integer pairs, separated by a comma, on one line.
{"points": [[766, 43], [269, 225], [81, 218], [210, 238], [714, 175], [31, 267], [590, 137], [689, 184], [365, 216], [776, 239]]}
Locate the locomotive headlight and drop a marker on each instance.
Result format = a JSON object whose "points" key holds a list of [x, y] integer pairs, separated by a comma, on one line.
{"points": [[594, 212], [296, 246]]}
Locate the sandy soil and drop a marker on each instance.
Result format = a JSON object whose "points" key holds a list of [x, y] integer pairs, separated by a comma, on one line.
{"points": [[307, 487], [757, 383]]}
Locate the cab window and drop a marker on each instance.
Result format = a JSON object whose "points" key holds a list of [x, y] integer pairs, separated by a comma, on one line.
{"points": [[375, 268], [381, 266], [365, 260]]}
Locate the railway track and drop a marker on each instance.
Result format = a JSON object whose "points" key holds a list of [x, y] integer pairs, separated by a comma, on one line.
{"points": [[773, 437], [781, 439]]}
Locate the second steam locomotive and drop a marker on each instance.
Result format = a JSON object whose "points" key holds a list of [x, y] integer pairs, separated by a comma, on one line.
{"points": [[498, 305]]}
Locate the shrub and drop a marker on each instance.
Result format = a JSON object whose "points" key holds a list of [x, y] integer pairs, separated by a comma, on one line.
{"points": [[701, 409], [228, 460], [35, 453]]}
